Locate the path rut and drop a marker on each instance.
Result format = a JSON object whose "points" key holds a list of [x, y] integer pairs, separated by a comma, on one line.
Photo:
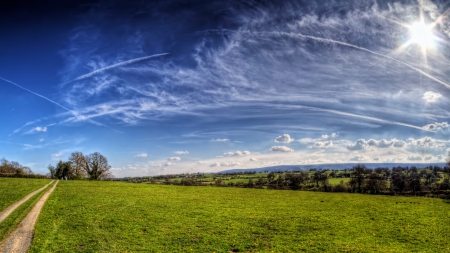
{"points": [[5, 213], [20, 240]]}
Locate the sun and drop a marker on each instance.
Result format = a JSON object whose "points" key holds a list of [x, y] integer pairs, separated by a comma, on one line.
{"points": [[422, 34]]}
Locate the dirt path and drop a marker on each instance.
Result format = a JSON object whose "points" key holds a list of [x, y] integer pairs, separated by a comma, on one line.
{"points": [[20, 240], [5, 213]]}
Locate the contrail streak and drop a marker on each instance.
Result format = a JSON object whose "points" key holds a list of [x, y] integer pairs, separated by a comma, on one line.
{"points": [[76, 114], [115, 66], [353, 115], [339, 43]]}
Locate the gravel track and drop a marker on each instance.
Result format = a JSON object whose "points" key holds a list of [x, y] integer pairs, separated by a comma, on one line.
{"points": [[5, 213], [20, 240]]}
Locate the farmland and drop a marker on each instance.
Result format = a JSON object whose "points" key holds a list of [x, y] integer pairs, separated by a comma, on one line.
{"points": [[13, 189], [86, 216]]}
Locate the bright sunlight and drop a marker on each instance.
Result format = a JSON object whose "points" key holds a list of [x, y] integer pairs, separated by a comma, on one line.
{"points": [[422, 34]]}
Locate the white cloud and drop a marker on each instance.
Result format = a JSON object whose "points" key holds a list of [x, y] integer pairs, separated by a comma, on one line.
{"points": [[436, 127], [399, 144], [307, 140], [225, 164], [237, 153], [422, 141], [376, 158], [323, 144], [33, 130], [334, 135], [411, 144], [360, 144], [201, 162], [252, 159], [431, 97], [415, 158], [325, 136], [41, 129], [56, 155], [220, 140], [174, 158], [426, 142], [358, 158], [169, 164], [41, 140], [428, 157], [141, 155], [381, 143], [281, 149], [286, 138], [181, 152]]}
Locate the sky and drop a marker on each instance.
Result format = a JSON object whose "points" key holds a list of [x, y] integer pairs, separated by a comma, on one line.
{"points": [[163, 87]]}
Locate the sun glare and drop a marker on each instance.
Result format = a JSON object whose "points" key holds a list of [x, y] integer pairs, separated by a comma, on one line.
{"points": [[422, 34]]}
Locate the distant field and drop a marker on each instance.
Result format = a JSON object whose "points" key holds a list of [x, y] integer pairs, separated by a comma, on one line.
{"points": [[238, 180], [83, 216], [336, 181], [13, 189]]}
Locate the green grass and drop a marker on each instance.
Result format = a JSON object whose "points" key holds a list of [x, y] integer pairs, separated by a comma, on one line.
{"points": [[238, 180], [13, 220], [82, 216], [336, 181], [14, 189]]}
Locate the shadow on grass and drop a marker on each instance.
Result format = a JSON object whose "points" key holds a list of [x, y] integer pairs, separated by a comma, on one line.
{"points": [[447, 201]]}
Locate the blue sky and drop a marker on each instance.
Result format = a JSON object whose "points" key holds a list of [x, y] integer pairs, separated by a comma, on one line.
{"points": [[196, 86]]}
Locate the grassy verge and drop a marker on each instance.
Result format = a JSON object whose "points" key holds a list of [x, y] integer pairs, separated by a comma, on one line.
{"points": [[85, 216], [14, 219], [13, 189]]}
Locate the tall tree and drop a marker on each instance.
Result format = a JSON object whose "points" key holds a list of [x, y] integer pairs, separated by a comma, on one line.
{"points": [[78, 162], [358, 175], [64, 170], [52, 171], [375, 183], [94, 165], [447, 167]]}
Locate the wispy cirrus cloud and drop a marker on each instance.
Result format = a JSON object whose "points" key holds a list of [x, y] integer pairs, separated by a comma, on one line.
{"points": [[220, 77], [267, 70]]}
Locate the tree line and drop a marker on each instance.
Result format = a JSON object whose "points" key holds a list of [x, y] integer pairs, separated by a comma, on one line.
{"points": [[398, 181], [93, 167], [15, 169], [433, 181]]}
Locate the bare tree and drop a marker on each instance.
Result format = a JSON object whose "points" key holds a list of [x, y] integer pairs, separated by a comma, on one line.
{"points": [[52, 171], [358, 175], [95, 166], [78, 162], [7, 167]]}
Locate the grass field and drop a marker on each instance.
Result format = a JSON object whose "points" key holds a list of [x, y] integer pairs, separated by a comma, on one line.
{"points": [[238, 180], [13, 220], [13, 189], [83, 216], [336, 181]]}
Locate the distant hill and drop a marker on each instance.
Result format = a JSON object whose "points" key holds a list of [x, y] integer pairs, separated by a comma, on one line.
{"points": [[333, 166]]}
